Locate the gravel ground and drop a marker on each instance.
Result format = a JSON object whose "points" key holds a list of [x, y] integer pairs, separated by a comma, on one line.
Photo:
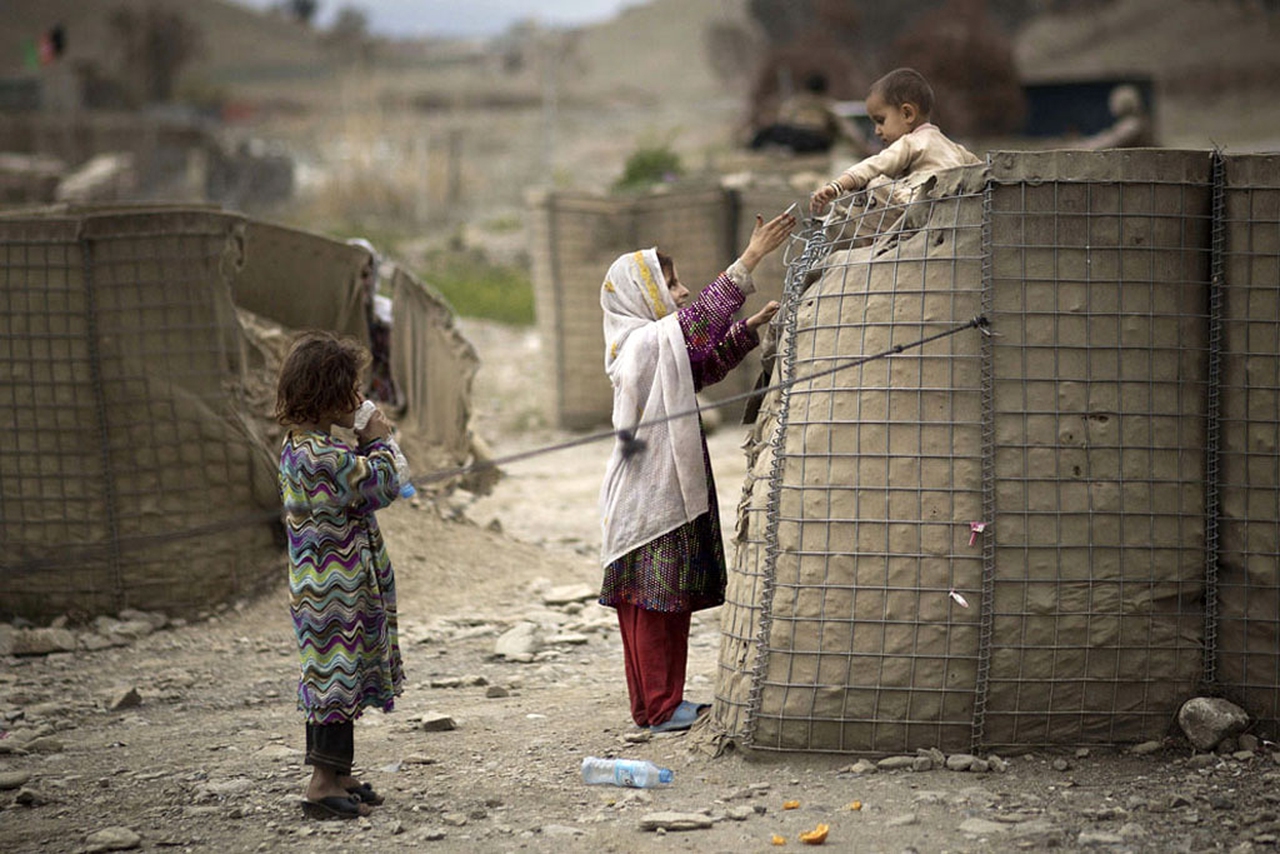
{"points": [[186, 738]]}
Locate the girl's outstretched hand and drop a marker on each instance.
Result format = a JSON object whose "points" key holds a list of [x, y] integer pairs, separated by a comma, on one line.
{"points": [[763, 316], [766, 237]]}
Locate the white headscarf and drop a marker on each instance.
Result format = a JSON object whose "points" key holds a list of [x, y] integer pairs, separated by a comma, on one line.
{"points": [[664, 485]]}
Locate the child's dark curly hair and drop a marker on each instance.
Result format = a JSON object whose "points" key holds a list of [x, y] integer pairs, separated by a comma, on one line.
{"points": [[320, 376]]}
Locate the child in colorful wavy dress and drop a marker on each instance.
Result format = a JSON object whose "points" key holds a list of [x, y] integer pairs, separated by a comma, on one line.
{"points": [[341, 585], [662, 552]]}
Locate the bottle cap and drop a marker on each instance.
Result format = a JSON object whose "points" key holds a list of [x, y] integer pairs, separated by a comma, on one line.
{"points": [[665, 775]]}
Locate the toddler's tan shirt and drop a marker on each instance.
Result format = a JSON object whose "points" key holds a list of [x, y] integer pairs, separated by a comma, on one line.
{"points": [[914, 156]]}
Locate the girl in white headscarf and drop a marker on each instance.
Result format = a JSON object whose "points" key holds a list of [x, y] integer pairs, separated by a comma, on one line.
{"points": [[662, 552]]}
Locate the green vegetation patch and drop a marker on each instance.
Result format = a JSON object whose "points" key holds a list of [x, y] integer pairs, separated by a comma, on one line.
{"points": [[477, 287]]}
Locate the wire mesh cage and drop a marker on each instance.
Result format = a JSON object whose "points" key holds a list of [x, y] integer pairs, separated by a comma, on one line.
{"points": [[124, 457], [1247, 546], [1007, 536]]}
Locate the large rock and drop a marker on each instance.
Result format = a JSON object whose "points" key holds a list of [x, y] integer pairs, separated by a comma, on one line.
{"points": [[1208, 720], [521, 642], [42, 641]]}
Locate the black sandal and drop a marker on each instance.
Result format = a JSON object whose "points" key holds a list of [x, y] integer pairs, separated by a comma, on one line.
{"points": [[364, 792], [332, 807]]}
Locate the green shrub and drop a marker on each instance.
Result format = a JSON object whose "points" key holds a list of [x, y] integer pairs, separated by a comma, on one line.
{"points": [[476, 287], [648, 166]]}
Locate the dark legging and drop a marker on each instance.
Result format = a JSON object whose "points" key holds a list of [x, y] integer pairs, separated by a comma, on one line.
{"points": [[332, 746]]}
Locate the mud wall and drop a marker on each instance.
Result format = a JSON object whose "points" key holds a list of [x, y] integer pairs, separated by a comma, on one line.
{"points": [[576, 237]]}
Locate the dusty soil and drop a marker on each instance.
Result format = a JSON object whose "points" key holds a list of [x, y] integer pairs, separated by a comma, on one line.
{"points": [[210, 759]]}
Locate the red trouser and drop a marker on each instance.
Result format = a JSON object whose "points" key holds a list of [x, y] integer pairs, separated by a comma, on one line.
{"points": [[655, 646]]}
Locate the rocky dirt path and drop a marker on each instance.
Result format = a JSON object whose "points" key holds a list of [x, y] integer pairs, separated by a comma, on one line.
{"points": [[186, 738]]}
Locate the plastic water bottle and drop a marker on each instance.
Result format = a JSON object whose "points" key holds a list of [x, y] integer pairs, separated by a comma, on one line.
{"points": [[629, 773], [363, 414]]}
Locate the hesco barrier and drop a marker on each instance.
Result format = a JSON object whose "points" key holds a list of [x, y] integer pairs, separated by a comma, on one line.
{"points": [[120, 439], [577, 236], [137, 459], [1050, 530]]}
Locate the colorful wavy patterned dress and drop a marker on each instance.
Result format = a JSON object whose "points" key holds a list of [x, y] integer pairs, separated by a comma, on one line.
{"points": [[341, 584]]}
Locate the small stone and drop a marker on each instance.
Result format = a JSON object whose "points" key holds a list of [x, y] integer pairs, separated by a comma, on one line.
{"points": [[44, 744], [1099, 838], [93, 642], [454, 819], [862, 766], [922, 763], [568, 639], [1061, 764], [903, 820], [496, 692], [42, 641], [1132, 831], [567, 593], [672, 821], [418, 759], [1145, 748], [125, 698], [1039, 834], [112, 839], [29, 797], [739, 813], [523, 639], [895, 763], [553, 830], [960, 761], [1249, 742], [438, 722], [981, 827], [1207, 721], [13, 779]]}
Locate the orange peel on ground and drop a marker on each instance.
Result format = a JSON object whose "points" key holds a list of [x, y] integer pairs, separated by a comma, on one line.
{"points": [[790, 805], [778, 840], [817, 836], [855, 806]]}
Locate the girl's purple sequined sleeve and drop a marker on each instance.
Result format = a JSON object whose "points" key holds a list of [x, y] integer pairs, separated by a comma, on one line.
{"points": [[716, 344]]}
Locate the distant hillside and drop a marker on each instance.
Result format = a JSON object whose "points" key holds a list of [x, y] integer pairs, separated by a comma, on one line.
{"points": [[1175, 41], [239, 43], [657, 50]]}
